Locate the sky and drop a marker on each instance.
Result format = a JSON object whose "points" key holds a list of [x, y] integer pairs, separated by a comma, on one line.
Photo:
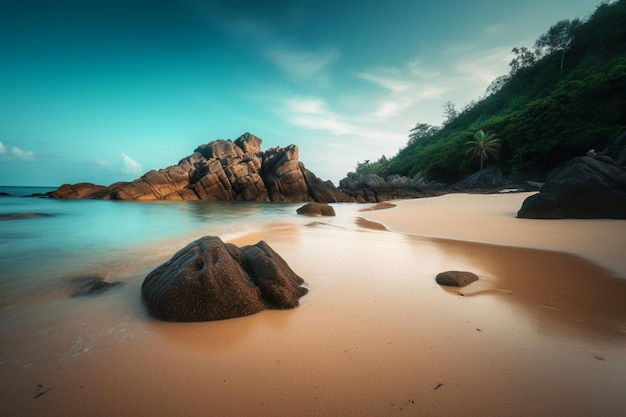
{"points": [[105, 90]]}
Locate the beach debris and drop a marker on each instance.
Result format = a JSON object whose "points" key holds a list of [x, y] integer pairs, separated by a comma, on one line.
{"points": [[212, 280], [41, 390], [91, 286], [316, 209], [455, 278], [439, 385]]}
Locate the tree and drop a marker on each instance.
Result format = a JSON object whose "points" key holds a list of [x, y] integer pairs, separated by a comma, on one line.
{"points": [[420, 131], [524, 57], [483, 145], [497, 84], [449, 112], [557, 38]]}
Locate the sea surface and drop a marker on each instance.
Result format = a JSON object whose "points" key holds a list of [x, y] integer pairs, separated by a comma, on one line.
{"points": [[45, 243]]}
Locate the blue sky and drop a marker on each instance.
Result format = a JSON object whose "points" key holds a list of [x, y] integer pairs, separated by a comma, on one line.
{"points": [[105, 90]]}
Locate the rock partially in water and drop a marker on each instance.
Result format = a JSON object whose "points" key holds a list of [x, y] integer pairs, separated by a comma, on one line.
{"points": [[221, 170], [91, 286], [15, 216], [316, 209], [212, 280], [456, 278]]}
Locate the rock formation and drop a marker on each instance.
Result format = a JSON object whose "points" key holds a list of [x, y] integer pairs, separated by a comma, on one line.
{"points": [[592, 186], [373, 188], [221, 170], [211, 280]]}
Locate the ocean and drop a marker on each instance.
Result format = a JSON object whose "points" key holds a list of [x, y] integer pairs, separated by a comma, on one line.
{"points": [[45, 243]]}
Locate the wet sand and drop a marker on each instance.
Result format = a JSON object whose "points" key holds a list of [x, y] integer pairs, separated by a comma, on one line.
{"points": [[541, 332]]}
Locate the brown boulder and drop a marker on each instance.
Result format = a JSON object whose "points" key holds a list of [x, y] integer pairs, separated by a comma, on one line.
{"points": [[211, 280], [81, 190], [456, 278], [316, 209]]}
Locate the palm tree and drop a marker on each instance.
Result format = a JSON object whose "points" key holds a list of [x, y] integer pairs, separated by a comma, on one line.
{"points": [[483, 144]]}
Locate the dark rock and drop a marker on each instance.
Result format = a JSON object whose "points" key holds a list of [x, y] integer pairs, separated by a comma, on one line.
{"points": [[221, 170], [372, 188], [14, 216], [91, 286], [316, 209], [456, 278], [490, 178], [81, 190], [211, 280], [617, 150], [587, 187]]}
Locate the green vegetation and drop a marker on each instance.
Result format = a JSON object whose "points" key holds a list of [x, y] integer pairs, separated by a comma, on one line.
{"points": [[565, 96]]}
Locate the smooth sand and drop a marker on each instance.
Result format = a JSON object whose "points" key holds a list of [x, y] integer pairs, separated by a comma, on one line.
{"points": [[540, 334]]}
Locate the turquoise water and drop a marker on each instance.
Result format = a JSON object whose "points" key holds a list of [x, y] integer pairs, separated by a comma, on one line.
{"points": [[43, 241]]}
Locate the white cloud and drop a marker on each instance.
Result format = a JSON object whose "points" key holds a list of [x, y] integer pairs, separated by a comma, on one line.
{"points": [[296, 61], [299, 63], [406, 86], [130, 166], [388, 79], [421, 87], [101, 162], [313, 113], [13, 153], [482, 68]]}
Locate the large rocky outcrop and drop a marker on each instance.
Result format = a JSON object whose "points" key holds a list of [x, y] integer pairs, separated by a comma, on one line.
{"points": [[221, 170], [373, 188], [212, 280], [592, 186]]}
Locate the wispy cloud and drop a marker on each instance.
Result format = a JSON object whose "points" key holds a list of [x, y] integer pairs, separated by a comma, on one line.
{"points": [[13, 153], [461, 75], [293, 58], [482, 68], [100, 162], [301, 63], [313, 113], [130, 166], [405, 87]]}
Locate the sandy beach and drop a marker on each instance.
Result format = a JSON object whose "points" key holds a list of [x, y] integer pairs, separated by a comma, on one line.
{"points": [[542, 333]]}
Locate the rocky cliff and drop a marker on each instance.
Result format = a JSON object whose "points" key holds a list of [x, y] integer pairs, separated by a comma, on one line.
{"points": [[221, 170]]}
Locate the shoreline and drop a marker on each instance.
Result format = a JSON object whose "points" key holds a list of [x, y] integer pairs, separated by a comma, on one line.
{"points": [[540, 333], [462, 217]]}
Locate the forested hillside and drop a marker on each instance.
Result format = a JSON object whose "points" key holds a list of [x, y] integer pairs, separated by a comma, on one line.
{"points": [[564, 96]]}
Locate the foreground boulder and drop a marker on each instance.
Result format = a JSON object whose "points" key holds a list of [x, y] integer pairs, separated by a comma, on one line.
{"points": [[221, 170], [456, 278], [592, 186], [212, 280]]}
